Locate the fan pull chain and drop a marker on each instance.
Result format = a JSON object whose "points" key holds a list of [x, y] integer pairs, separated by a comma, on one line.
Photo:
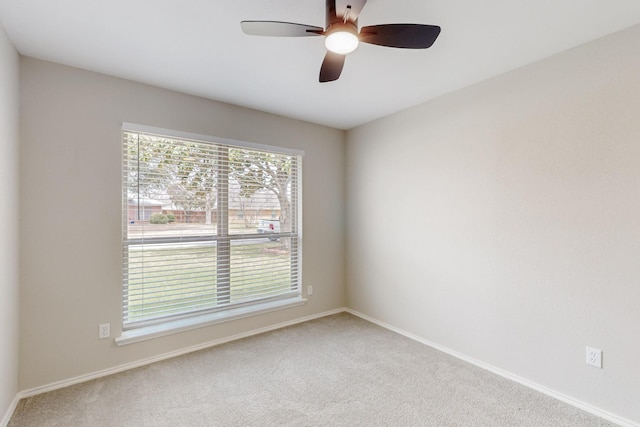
{"points": [[347, 13]]}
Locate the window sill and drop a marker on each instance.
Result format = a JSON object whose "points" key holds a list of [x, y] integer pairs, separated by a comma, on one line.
{"points": [[173, 327]]}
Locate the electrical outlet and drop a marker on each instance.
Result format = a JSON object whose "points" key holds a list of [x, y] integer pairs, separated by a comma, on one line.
{"points": [[309, 290], [104, 330], [594, 357]]}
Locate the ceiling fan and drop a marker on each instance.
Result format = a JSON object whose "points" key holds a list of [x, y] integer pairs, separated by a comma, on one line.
{"points": [[342, 36]]}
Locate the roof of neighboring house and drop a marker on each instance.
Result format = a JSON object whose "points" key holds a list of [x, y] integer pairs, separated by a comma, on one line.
{"points": [[260, 200]]}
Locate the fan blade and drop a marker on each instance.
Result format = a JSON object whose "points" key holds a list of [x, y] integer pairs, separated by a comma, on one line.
{"points": [[331, 16], [356, 8], [331, 67], [408, 36], [279, 29]]}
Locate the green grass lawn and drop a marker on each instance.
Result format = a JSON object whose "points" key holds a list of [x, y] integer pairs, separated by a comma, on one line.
{"points": [[173, 279]]}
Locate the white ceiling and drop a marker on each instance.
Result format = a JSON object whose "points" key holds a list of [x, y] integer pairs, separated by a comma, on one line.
{"points": [[197, 47]]}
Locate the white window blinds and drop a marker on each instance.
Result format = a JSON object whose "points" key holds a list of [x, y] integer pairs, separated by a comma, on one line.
{"points": [[207, 226]]}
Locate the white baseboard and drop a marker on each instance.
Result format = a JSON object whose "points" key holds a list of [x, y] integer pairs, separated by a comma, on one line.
{"points": [[505, 374], [117, 369], [10, 411]]}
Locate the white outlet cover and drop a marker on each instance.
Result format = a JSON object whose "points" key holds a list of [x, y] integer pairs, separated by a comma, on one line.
{"points": [[104, 330], [594, 357]]}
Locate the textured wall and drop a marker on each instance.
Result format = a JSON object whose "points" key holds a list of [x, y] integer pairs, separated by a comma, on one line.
{"points": [[503, 221], [8, 223], [71, 259]]}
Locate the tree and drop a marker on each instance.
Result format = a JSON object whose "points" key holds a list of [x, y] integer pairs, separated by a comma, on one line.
{"points": [[187, 173], [256, 171], [184, 171], [194, 184], [249, 207], [146, 161]]}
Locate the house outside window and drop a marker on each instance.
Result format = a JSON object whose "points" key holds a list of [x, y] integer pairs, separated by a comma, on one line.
{"points": [[191, 209]]}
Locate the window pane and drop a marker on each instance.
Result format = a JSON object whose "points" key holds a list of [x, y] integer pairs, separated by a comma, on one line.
{"points": [[260, 268], [261, 199], [166, 279], [171, 187]]}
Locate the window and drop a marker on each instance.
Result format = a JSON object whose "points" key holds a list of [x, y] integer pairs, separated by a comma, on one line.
{"points": [[192, 211]]}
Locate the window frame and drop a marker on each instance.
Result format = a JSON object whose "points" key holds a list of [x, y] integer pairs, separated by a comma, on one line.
{"points": [[139, 330]]}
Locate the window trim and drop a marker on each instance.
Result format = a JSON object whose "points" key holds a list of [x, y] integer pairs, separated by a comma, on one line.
{"points": [[169, 133], [195, 320]]}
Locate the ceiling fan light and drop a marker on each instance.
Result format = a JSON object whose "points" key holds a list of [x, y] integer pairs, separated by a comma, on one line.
{"points": [[341, 42]]}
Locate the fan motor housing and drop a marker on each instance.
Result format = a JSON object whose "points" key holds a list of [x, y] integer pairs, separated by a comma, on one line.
{"points": [[343, 27]]}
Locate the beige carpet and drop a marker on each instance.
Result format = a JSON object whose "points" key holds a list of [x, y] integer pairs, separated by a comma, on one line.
{"points": [[335, 371]]}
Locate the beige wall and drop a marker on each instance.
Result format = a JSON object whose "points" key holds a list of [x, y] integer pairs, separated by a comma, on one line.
{"points": [[71, 260], [9, 299], [503, 221]]}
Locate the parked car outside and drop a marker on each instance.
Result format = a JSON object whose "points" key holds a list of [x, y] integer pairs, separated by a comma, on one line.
{"points": [[269, 226]]}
